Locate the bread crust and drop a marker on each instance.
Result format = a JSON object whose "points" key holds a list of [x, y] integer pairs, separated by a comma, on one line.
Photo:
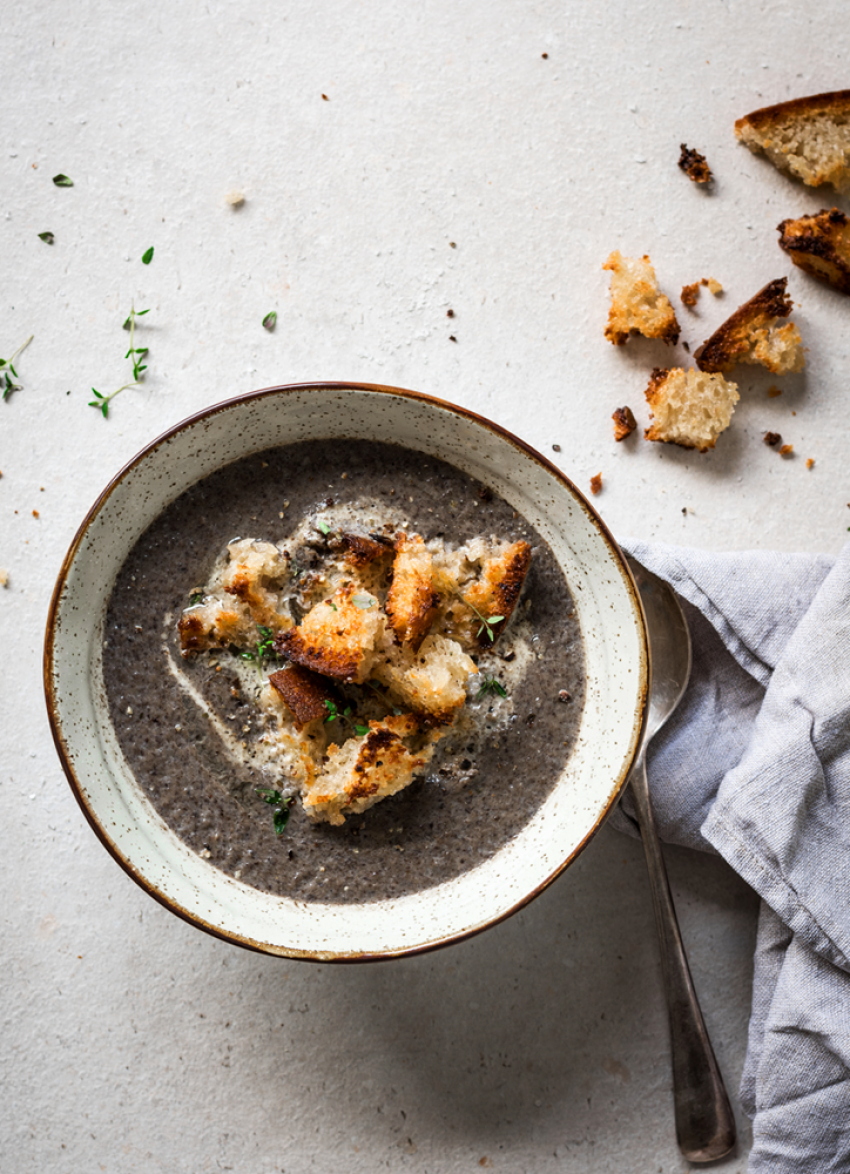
{"points": [[820, 245], [731, 341], [305, 693], [833, 102]]}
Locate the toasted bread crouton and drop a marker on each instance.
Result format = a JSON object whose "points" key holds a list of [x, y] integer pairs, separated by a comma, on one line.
{"points": [[497, 591], [637, 304], [365, 770], [752, 335], [820, 244], [694, 165], [431, 681], [361, 550], [689, 408], [624, 423], [213, 623], [337, 637], [305, 693], [808, 138], [411, 602], [254, 569]]}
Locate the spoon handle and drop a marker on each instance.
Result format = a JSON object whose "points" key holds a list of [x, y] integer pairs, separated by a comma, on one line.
{"points": [[705, 1126]]}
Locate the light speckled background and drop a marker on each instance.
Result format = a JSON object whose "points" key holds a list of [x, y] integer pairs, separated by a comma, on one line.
{"points": [[131, 1042]]}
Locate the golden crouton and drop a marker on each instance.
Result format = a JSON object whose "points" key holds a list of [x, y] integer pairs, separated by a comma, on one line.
{"points": [[411, 602], [690, 409], [431, 681], [365, 770], [337, 637], [306, 693], [820, 244], [637, 304], [808, 137], [497, 591], [752, 335], [213, 623], [254, 569], [361, 550]]}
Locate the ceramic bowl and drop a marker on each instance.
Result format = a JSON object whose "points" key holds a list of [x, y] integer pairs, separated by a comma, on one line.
{"points": [[607, 606]]}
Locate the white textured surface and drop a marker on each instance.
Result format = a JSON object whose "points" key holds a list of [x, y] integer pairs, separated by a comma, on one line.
{"points": [[130, 1041]]}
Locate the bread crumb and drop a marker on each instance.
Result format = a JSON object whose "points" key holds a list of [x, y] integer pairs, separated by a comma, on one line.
{"points": [[810, 463], [694, 165], [773, 392], [690, 293], [786, 450], [752, 335], [624, 423], [4, 578], [35, 514], [690, 408], [596, 484], [772, 438], [637, 304], [235, 199]]}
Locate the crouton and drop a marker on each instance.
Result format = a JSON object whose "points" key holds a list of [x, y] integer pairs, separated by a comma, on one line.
{"points": [[431, 681], [254, 570], [637, 304], [752, 335], [820, 245], [411, 602], [694, 165], [808, 137], [497, 591], [365, 770], [214, 623], [361, 550], [305, 693], [624, 423], [337, 637], [689, 408]]}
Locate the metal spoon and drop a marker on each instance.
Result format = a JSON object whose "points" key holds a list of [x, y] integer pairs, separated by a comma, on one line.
{"points": [[705, 1126]]}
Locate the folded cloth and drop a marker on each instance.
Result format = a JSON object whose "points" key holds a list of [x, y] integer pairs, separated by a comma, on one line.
{"points": [[755, 765]]}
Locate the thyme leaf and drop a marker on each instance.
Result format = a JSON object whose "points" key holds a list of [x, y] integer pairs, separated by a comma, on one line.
{"points": [[491, 685], [281, 805], [7, 370], [47, 237], [62, 181], [270, 320], [147, 256]]}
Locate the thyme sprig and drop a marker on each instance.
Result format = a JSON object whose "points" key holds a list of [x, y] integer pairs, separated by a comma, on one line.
{"points": [[281, 805], [487, 622], [491, 685], [344, 715], [7, 370], [264, 649], [135, 355]]}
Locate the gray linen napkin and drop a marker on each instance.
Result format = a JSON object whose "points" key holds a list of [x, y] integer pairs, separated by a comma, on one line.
{"points": [[755, 765]]}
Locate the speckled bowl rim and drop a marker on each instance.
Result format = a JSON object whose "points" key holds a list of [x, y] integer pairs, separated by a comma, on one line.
{"points": [[433, 401]]}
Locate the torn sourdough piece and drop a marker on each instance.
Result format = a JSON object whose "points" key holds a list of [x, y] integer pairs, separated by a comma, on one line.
{"points": [[808, 138], [753, 335], [369, 768], [243, 595], [690, 408], [637, 304], [820, 245]]}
